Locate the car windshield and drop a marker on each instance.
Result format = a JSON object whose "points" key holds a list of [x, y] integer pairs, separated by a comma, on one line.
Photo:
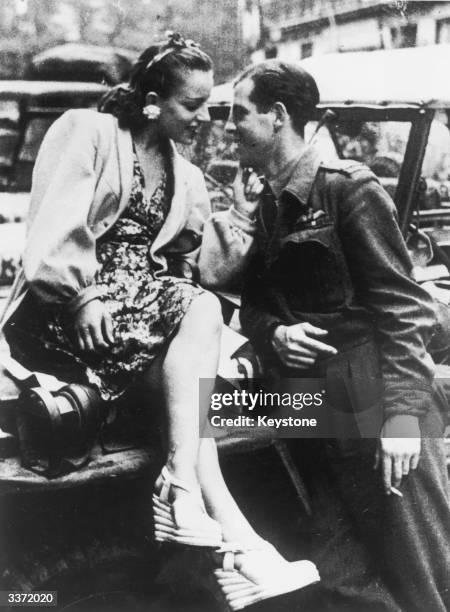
{"points": [[380, 145]]}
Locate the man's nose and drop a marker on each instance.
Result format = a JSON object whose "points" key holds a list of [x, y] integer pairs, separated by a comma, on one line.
{"points": [[203, 113], [230, 126]]}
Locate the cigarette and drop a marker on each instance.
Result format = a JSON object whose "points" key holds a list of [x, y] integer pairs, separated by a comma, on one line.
{"points": [[396, 492]]}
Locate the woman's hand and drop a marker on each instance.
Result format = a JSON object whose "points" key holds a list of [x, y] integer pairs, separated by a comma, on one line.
{"points": [[398, 450], [93, 327], [247, 188]]}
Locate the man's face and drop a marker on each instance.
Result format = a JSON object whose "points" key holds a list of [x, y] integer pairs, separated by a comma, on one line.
{"points": [[254, 133]]}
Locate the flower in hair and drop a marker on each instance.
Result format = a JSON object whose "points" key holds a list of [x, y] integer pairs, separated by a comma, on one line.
{"points": [[174, 39]]}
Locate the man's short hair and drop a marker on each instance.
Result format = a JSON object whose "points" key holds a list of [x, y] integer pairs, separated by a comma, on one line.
{"points": [[277, 81]]}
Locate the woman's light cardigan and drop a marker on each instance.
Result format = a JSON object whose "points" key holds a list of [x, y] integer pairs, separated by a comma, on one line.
{"points": [[82, 183]]}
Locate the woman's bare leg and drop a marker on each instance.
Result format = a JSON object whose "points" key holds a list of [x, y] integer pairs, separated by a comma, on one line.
{"points": [[192, 354], [218, 499]]}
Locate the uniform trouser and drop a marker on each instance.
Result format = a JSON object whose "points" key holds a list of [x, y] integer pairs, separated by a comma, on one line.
{"points": [[406, 539], [351, 580]]}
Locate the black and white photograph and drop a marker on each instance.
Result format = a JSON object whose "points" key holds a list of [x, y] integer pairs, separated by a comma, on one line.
{"points": [[225, 305]]}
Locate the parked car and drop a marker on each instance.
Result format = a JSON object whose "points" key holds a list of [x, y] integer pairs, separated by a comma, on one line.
{"points": [[27, 109]]}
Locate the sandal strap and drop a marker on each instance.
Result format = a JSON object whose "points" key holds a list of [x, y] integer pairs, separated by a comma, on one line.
{"points": [[234, 547], [231, 549], [171, 481], [228, 564], [239, 547]]}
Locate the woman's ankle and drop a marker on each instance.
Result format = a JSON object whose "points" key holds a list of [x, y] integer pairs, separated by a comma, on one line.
{"points": [[245, 540], [180, 470]]}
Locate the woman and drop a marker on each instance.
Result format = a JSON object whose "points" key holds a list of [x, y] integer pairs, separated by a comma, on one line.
{"points": [[116, 216]]}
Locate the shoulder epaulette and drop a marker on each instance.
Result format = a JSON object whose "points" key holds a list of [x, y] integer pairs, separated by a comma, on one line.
{"points": [[349, 167]]}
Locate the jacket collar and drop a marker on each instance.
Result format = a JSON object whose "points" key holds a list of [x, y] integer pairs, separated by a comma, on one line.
{"points": [[304, 174], [280, 181]]}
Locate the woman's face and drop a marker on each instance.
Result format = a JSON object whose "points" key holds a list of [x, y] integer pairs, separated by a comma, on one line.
{"points": [[185, 109]]}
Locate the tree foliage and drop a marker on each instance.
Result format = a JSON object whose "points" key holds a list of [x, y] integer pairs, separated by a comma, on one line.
{"points": [[36, 25]]}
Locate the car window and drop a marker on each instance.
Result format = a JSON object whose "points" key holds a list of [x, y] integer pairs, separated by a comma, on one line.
{"points": [[9, 113], [8, 142], [436, 163], [380, 145], [34, 134], [9, 117]]}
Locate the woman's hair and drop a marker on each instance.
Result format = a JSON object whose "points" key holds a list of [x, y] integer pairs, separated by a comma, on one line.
{"points": [[159, 69], [276, 81]]}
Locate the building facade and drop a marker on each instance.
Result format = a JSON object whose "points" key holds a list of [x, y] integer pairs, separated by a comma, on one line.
{"points": [[295, 29]]}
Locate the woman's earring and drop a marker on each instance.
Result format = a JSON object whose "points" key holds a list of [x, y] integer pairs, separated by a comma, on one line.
{"points": [[151, 111]]}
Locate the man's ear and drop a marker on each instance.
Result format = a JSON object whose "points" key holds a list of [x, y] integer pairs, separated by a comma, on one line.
{"points": [[152, 98], [281, 115]]}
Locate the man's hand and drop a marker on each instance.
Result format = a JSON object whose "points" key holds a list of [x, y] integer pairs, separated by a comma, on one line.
{"points": [[297, 345], [247, 188], [93, 327], [398, 455]]}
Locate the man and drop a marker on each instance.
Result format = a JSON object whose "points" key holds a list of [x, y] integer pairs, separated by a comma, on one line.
{"points": [[328, 294]]}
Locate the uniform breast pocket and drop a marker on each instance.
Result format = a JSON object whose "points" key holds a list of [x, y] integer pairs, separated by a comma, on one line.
{"points": [[312, 269]]}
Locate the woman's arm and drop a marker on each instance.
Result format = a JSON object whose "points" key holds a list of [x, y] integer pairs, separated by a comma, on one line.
{"points": [[228, 236], [226, 245], [59, 260], [211, 248]]}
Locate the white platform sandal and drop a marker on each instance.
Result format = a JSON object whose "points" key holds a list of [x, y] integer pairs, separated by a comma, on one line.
{"points": [[182, 520], [263, 573]]}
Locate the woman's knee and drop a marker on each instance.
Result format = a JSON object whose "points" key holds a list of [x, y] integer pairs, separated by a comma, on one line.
{"points": [[206, 313]]}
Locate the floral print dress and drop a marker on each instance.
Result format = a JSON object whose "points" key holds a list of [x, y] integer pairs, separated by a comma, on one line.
{"points": [[145, 310]]}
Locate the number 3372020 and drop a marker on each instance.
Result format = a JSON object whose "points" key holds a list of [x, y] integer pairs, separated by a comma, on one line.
{"points": [[38, 598]]}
